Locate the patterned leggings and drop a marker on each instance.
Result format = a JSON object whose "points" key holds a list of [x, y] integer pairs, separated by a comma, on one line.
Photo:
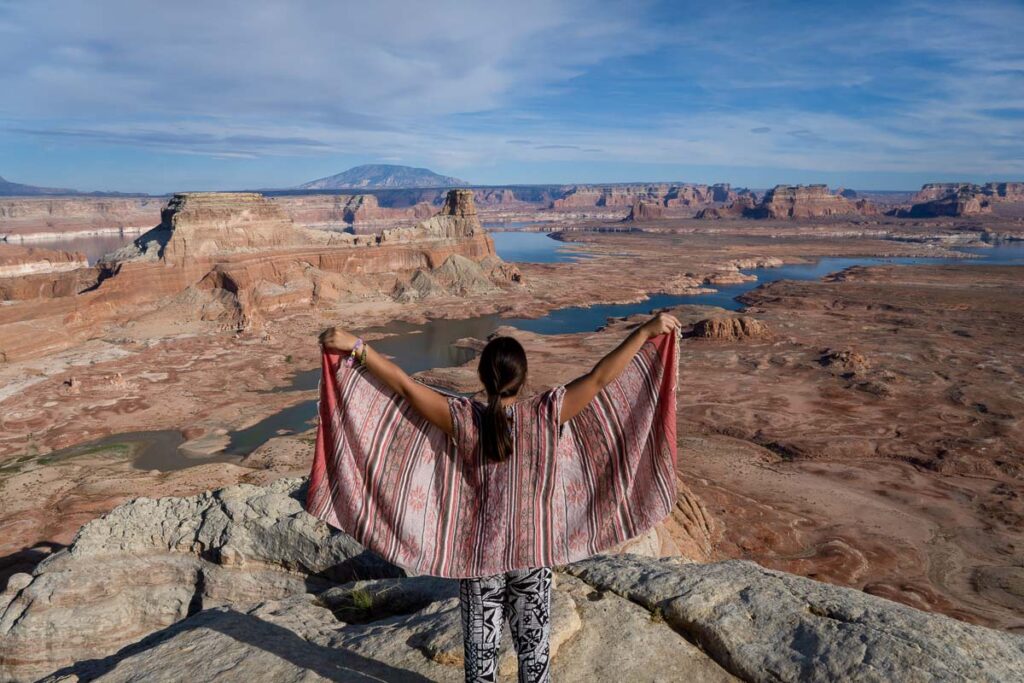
{"points": [[524, 598]]}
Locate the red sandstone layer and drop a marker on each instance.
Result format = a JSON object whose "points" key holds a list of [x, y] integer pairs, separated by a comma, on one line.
{"points": [[231, 258]]}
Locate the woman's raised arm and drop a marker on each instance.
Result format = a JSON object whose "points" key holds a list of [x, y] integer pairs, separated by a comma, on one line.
{"points": [[582, 390], [429, 403]]}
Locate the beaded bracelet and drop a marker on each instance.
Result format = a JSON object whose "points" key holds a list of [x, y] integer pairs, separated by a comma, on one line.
{"points": [[353, 355]]}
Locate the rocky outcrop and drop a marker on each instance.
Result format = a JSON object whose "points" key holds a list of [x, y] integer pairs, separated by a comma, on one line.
{"points": [[763, 625], [496, 197], [699, 195], [150, 563], [457, 275], [581, 197], [1004, 191], [241, 583], [742, 206], [735, 328], [203, 225], [962, 202], [846, 362], [645, 211], [961, 199], [807, 201]]}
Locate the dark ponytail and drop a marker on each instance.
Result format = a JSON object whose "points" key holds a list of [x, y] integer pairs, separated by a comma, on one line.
{"points": [[502, 371]]}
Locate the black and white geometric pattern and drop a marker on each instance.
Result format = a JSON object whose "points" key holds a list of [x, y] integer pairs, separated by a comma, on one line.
{"points": [[524, 599]]}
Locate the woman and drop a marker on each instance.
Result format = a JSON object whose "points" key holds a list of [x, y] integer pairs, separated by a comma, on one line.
{"points": [[471, 510]]}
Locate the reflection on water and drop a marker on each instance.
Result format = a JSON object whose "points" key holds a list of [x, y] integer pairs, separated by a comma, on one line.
{"points": [[532, 247], [1007, 253], [155, 450], [510, 225], [93, 246]]}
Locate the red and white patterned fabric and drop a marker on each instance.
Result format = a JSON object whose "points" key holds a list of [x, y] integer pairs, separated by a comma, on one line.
{"points": [[438, 505]]}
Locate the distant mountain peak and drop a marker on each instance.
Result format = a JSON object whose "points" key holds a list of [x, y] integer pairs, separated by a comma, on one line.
{"points": [[382, 176], [9, 189]]}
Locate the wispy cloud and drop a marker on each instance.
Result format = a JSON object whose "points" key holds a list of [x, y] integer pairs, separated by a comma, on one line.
{"points": [[908, 87]]}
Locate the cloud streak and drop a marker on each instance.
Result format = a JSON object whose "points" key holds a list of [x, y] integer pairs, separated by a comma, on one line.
{"points": [[472, 88]]}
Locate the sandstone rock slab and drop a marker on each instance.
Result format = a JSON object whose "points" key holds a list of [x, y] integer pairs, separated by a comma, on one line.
{"points": [[764, 625]]}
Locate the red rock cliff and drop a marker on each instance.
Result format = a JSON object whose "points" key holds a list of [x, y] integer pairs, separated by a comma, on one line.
{"points": [[233, 258], [793, 202], [961, 199]]}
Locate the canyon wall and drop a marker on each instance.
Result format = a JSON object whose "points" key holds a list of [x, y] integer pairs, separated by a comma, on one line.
{"points": [[670, 196], [961, 199], [29, 219], [807, 201], [231, 259], [787, 202]]}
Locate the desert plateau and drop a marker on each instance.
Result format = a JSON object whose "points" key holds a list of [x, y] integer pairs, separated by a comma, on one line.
{"points": [[551, 341], [849, 402]]}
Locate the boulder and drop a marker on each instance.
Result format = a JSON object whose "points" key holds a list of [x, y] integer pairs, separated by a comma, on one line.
{"points": [[150, 563], [844, 361]]}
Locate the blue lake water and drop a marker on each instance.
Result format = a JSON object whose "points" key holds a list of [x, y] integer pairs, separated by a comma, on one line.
{"points": [[532, 247], [418, 347], [92, 246], [510, 225]]}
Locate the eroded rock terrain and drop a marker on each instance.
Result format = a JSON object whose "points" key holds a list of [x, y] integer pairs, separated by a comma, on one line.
{"points": [[862, 430]]}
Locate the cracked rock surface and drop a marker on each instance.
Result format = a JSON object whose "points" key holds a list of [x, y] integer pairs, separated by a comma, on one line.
{"points": [[765, 625]]}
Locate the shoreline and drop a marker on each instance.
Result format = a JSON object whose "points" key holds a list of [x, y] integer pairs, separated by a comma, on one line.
{"points": [[15, 237]]}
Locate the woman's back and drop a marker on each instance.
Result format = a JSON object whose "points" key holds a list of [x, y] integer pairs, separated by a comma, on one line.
{"points": [[439, 504]]}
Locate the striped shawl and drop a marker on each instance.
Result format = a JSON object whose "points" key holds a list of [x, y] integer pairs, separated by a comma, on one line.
{"points": [[437, 505]]}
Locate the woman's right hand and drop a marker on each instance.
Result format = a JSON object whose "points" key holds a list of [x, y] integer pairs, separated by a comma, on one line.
{"points": [[662, 323], [337, 339]]}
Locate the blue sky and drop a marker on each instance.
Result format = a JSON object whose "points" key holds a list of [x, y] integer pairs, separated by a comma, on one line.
{"points": [[159, 96]]}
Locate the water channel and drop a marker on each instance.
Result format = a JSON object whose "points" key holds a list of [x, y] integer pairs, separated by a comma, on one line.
{"points": [[417, 347]]}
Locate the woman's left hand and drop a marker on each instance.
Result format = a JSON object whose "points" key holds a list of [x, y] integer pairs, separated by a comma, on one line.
{"points": [[337, 339]]}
